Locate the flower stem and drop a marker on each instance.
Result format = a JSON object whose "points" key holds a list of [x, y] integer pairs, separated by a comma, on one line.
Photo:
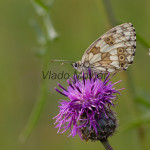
{"points": [[106, 145], [113, 21]]}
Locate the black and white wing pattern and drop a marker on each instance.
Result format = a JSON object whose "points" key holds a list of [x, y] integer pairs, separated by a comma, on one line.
{"points": [[113, 51]]}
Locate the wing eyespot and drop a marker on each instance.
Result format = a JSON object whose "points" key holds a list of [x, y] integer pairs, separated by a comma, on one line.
{"points": [[115, 49], [109, 40], [120, 50], [122, 64], [121, 57], [111, 43]]}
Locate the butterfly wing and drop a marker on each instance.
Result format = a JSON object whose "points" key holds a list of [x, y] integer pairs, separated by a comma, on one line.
{"points": [[113, 51]]}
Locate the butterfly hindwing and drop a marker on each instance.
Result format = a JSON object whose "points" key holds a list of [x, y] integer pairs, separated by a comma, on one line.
{"points": [[113, 51]]}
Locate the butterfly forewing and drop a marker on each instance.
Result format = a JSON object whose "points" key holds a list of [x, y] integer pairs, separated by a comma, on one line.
{"points": [[113, 51]]}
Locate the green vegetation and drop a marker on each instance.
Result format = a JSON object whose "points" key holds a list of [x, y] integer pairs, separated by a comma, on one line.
{"points": [[35, 32]]}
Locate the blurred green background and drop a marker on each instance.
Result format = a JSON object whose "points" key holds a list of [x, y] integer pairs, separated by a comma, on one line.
{"points": [[78, 23]]}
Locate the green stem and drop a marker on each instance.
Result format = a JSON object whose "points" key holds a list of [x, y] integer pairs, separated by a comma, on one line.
{"points": [[113, 21], [106, 145], [39, 104], [110, 13], [35, 114], [49, 36]]}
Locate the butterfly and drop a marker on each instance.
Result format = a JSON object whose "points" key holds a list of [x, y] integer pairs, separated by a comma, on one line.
{"points": [[113, 51]]}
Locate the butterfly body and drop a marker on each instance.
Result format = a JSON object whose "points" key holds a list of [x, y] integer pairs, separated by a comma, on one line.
{"points": [[113, 51]]}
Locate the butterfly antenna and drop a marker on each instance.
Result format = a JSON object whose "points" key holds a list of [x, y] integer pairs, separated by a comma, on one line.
{"points": [[63, 61]]}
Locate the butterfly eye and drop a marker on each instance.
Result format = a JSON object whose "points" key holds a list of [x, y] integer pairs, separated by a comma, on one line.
{"points": [[75, 65]]}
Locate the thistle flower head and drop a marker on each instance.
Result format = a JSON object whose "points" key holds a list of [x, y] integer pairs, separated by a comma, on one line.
{"points": [[88, 107]]}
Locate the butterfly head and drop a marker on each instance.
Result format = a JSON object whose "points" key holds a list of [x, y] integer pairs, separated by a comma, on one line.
{"points": [[77, 66]]}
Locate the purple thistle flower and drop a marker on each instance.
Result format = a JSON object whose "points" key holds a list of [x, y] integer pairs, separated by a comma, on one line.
{"points": [[89, 101]]}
